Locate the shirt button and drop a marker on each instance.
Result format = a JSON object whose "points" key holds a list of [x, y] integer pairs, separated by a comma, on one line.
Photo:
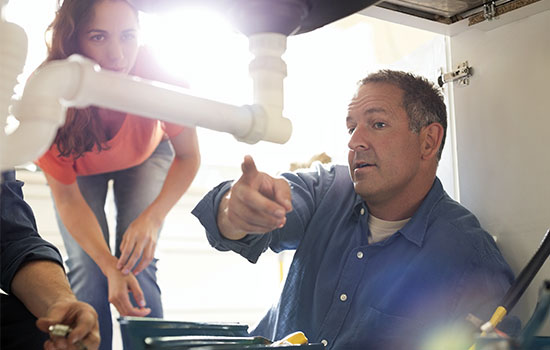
{"points": [[324, 342], [343, 297], [362, 211], [359, 255]]}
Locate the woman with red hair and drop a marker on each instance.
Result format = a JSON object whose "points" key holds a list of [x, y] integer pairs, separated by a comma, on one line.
{"points": [[149, 163]]}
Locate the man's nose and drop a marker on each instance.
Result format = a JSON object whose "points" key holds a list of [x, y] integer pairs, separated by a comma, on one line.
{"points": [[358, 139]]}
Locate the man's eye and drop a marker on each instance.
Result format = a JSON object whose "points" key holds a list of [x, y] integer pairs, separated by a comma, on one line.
{"points": [[351, 130], [379, 125]]}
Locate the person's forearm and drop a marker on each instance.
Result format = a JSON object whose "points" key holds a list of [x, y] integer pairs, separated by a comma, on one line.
{"points": [[224, 225], [81, 223], [39, 284], [177, 182]]}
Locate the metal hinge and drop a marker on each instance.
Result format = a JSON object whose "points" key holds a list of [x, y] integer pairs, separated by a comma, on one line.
{"points": [[462, 73], [489, 11]]}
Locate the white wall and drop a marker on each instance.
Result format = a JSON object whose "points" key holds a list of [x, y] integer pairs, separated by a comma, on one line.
{"points": [[502, 124]]}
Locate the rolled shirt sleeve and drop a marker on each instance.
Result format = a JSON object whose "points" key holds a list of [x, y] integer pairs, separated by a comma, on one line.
{"points": [[250, 247]]}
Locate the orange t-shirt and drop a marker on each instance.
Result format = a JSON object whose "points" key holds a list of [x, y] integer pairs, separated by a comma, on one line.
{"points": [[136, 140]]}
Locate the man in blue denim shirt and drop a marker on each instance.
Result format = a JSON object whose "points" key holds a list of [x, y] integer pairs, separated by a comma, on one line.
{"points": [[384, 259]]}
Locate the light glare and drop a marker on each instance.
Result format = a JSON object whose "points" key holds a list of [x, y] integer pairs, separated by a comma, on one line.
{"points": [[201, 47]]}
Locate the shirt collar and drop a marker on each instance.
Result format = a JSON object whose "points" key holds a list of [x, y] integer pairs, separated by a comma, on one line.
{"points": [[415, 229]]}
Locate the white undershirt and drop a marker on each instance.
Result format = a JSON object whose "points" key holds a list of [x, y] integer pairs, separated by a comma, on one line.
{"points": [[382, 229]]}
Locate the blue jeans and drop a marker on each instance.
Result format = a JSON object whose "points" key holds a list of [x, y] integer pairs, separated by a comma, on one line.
{"points": [[134, 190]]}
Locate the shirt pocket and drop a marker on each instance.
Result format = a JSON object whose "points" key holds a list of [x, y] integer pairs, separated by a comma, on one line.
{"points": [[378, 330]]}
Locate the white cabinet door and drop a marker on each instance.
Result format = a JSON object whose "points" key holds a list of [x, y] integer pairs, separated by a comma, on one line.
{"points": [[502, 125]]}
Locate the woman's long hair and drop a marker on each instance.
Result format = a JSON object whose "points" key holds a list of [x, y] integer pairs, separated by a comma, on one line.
{"points": [[82, 131]]}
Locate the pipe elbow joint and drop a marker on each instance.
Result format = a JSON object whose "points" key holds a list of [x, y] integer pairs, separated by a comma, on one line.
{"points": [[266, 126], [49, 89], [41, 109]]}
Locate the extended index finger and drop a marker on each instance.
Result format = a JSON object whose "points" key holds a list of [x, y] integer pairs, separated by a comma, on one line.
{"points": [[134, 257], [248, 168]]}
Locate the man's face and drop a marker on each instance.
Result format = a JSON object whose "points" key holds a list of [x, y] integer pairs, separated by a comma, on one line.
{"points": [[384, 154]]}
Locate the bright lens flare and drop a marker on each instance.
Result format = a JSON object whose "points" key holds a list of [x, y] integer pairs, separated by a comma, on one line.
{"points": [[201, 47]]}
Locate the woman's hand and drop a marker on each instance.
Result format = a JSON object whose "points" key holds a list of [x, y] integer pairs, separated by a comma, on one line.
{"points": [[140, 239], [83, 226], [138, 244], [119, 287]]}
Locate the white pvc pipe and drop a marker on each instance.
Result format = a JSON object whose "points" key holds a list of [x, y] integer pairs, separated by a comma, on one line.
{"points": [[155, 100], [28, 142], [13, 53], [79, 82], [268, 70], [40, 113]]}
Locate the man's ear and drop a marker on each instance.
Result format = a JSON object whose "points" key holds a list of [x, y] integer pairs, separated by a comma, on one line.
{"points": [[431, 137]]}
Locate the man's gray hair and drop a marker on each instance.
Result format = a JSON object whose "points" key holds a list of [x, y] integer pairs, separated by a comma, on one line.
{"points": [[422, 100]]}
